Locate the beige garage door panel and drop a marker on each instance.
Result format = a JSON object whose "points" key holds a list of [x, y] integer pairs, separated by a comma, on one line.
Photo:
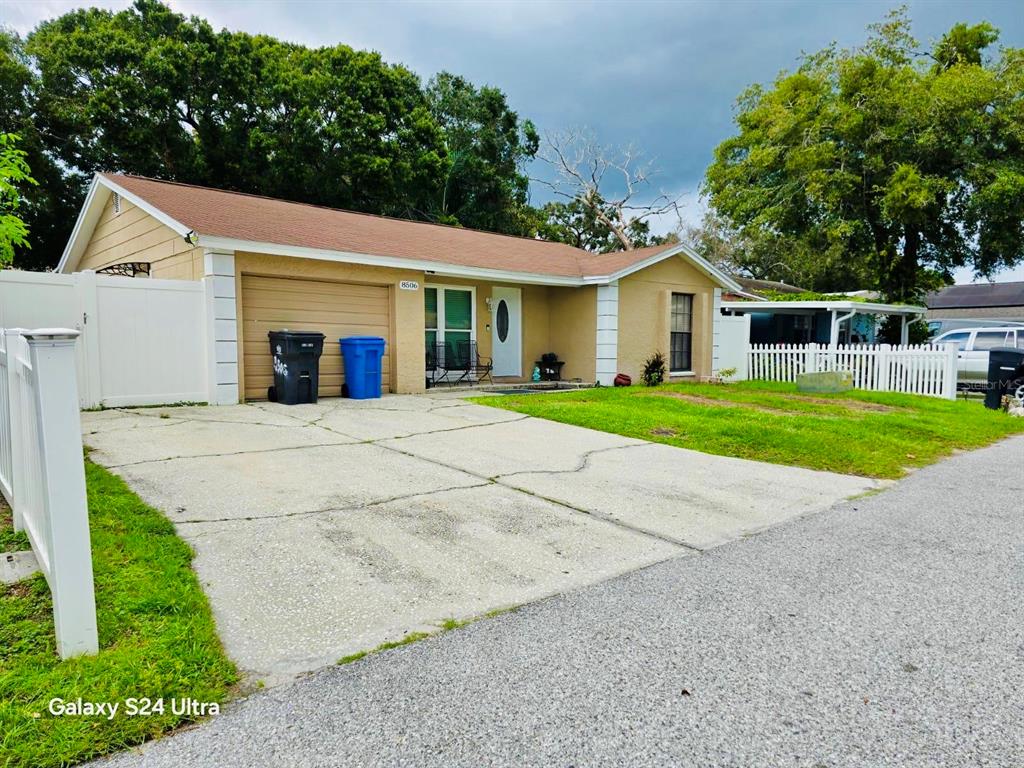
{"points": [[334, 309]]}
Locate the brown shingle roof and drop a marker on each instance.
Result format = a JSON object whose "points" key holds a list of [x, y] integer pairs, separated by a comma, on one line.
{"points": [[216, 213]]}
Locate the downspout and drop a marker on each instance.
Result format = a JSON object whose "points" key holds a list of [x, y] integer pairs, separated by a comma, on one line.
{"points": [[836, 322]]}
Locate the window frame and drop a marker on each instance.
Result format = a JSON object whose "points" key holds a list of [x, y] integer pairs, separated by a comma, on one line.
{"points": [[673, 371], [440, 330], [948, 338], [985, 334]]}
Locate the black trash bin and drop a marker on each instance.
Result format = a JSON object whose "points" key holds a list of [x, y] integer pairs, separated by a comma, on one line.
{"points": [[1005, 374], [296, 360]]}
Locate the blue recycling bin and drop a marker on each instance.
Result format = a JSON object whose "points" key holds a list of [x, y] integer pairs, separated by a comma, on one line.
{"points": [[362, 356]]}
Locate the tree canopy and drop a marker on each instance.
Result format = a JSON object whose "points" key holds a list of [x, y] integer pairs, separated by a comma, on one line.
{"points": [[151, 92], [905, 161], [14, 174]]}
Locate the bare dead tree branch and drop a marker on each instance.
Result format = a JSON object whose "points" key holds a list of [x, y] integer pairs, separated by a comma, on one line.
{"points": [[581, 167]]}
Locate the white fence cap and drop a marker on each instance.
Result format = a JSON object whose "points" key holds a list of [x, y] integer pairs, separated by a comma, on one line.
{"points": [[46, 334]]}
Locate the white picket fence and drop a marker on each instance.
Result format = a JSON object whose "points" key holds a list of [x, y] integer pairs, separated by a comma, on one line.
{"points": [[913, 369], [42, 474]]}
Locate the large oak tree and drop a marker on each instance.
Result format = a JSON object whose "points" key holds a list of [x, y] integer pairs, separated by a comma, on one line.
{"points": [[149, 91], [900, 159]]}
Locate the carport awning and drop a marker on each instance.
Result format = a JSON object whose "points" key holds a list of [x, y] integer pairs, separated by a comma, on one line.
{"points": [[840, 311], [810, 307]]}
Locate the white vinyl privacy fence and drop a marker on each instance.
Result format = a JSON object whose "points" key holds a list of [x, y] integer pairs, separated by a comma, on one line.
{"points": [[143, 341], [42, 475], [913, 369]]}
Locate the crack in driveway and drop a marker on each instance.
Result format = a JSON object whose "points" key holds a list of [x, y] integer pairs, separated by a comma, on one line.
{"points": [[583, 464], [381, 442], [324, 510]]}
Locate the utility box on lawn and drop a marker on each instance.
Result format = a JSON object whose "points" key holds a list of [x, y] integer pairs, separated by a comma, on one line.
{"points": [[824, 382], [1005, 367], [296, 360]]}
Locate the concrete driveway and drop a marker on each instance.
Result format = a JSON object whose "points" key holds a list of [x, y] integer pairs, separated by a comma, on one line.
{"points": [[325, 529]]}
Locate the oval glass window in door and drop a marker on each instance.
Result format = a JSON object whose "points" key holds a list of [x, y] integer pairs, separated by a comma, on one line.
{"points": [[501, 320]]}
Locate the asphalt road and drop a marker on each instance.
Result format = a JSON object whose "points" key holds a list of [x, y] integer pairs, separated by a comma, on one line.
{"points": [[885, 631]]}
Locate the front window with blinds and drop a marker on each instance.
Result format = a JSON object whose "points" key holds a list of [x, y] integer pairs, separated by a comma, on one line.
{"points": [[682, 327]]}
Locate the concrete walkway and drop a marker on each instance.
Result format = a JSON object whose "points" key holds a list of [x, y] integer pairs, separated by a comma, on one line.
{"points": [[325, 529], [888, 631]]}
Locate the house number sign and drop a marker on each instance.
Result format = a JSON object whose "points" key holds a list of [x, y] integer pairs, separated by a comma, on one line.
{"points": [[409, 285]]}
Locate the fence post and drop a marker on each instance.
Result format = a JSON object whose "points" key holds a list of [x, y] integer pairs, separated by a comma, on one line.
{"points": [[63, 498], [11, 338], [811, 359], [882, 368], [950, 370]]}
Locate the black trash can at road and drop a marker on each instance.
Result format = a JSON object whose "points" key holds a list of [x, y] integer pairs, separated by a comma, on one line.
{"points": [[296, 359], [1005, 368]]}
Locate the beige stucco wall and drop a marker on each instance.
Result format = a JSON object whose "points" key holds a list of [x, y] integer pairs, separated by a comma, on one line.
{"points": [[407, 343], [134, 235], [573, 330], [644, 314]]}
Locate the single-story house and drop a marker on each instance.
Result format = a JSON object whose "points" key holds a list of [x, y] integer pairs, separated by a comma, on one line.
{"points": [[818, 321], [994, 301], [273, 264]]}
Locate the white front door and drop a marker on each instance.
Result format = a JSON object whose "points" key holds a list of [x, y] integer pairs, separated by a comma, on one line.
{"points": [[506, 331]]}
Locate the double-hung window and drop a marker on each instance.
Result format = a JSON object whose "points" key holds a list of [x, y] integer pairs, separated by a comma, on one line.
{"points": [[681, 342]]}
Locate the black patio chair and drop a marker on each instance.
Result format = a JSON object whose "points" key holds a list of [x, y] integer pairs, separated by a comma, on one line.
{"points": [[460, 359], [442, 362], [477, 368], [432, 367]]}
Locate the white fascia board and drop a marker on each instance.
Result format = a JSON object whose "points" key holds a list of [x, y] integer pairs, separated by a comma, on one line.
{"points": [[683, 249], [138, 202], [432, 267], [99, 192], [90, 213], [860, 307]]}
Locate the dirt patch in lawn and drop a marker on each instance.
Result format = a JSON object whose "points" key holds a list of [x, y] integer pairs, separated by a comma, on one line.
{"points": [[850, 405], [701, 400], [664, 432], [853, 405]]}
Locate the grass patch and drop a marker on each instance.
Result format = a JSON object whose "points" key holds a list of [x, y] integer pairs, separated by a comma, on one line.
{"points": [[156, 633], [10, 541], [447, 625], [412, 637], [873, 434]]}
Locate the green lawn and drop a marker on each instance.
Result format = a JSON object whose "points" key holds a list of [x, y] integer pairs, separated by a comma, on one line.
{"points": [[10, 541], [875, 434], [156, 633]]}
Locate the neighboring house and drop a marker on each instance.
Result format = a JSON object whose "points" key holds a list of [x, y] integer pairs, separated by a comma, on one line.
{"points": [[818, 321], [274, 264], [999, 301], [801, 321]]}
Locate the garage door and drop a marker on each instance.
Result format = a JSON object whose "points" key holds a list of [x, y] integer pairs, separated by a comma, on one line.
{"points": [[335, 309]]}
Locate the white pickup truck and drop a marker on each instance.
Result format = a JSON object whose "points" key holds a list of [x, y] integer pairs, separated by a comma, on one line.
{"points": [[974, 344]]}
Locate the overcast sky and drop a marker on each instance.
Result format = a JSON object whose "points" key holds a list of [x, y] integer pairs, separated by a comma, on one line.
{"points": [[660, 75]]}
